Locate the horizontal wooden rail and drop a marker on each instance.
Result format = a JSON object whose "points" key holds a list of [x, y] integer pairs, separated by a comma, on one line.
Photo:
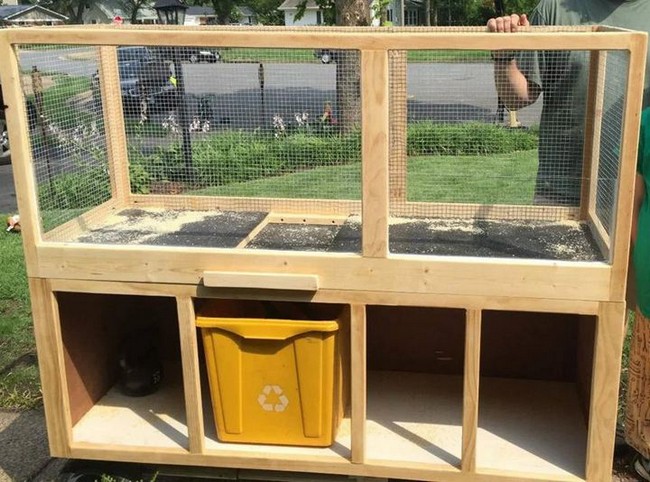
{"points": [[467, 38]]}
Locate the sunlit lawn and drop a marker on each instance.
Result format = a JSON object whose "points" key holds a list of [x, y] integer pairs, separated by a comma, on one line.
{"points": [[504, 178], [19, 382]]}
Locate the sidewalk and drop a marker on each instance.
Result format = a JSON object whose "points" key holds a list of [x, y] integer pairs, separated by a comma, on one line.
{"points": [[24, 454]]}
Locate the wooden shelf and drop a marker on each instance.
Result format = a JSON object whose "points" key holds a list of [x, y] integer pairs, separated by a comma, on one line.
{"points": [[412, 419], [154, 421]]}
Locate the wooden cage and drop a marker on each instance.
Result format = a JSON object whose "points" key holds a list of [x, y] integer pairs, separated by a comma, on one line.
{"points": [[461, 368]]}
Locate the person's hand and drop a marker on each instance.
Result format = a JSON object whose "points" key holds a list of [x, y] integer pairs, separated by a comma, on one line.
{"points": [[508, 23]]}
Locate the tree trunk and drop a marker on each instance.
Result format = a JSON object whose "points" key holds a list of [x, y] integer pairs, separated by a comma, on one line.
{"points": [[351, 13], [499, 8], [427, 12]]}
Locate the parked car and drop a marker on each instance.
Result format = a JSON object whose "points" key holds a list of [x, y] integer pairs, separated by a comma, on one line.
{"points": [[325, 55], [186, 54], [149, 81], [134, 54], [195, 55]]}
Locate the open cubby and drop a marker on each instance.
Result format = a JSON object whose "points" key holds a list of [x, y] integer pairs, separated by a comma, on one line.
{"points": [[415, 384], [95, 331], [534, 391]]}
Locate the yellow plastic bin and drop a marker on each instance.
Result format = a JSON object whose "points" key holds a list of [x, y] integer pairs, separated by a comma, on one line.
{"points": [[275, 377]]}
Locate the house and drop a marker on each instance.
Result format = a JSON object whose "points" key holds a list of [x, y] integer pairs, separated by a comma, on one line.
{"points": [[206, 16], [105, 11], [28, 15], [313, 14], [414, 13], [200, 16], [246, 15]]}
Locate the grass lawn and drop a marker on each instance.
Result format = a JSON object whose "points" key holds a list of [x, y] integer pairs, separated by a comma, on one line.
{"points": [[307, 55], [19, 380], [503, 178]]}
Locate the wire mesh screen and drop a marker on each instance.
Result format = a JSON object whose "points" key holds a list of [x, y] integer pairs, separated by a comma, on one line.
{"points": [[463, 145], [66, 130], [611, 129], [243, 122], [477, 178]]}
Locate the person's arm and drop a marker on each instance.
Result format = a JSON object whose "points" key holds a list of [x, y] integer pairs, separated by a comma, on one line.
{"points": [[513, 88], [639, 194]]}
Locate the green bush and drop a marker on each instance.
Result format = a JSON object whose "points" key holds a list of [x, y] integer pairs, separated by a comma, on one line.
{"points": [[467, 139], [73, 190], [238, 156]]}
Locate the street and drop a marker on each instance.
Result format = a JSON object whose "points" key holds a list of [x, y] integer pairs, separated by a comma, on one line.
{"points": [[437, 91], [7, 191]]}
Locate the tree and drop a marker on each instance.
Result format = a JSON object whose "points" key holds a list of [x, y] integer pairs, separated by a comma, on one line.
{"points": [[132, 7], [225, 10], [348, 13], [267, 11], [73, 9]]}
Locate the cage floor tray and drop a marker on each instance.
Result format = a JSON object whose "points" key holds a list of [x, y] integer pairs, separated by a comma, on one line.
{"points": [[157, 227], [527, 239]]}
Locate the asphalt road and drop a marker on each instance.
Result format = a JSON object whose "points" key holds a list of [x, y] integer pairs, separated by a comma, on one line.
{"points": [[7, 192], [247, 96]]}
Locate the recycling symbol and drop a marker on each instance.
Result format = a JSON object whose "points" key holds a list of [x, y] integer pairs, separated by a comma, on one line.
{"points": [[271, 394]]}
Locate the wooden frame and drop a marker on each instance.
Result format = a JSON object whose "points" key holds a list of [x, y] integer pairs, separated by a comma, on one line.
{"points": [[367, 282]]}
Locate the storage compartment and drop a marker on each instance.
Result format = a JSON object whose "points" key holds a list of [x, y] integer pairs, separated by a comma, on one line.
{"points": [[415, 385], [534, 392], [276, 370], [99, 332]]}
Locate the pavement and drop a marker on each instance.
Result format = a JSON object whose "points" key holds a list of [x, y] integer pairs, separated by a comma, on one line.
{"points": [[7, 191], [24, 454]]}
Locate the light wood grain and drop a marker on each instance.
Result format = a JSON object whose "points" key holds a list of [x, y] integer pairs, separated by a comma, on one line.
{"points": [[191, 374], [604, 390], [47, 332], [358, 382], [471, 389], [334, 296], [21, 153], [374, 144], [416, 274], [368, 39], [109, 83], [222, 279], [593, 124], [622, 221]]}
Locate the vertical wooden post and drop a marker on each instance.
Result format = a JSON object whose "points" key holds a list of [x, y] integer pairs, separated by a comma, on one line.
{"points": [[604, 390], [21, 154], [118, 158], [51, 365], [191, 374], [358, 378], [471, 389], [374, 124], [593, 124], [627, 167]]}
